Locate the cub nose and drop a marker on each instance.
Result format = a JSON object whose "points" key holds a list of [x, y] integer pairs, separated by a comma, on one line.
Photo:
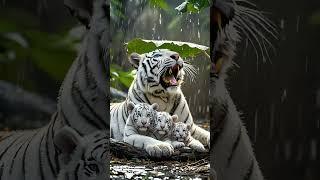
{"points": [[162, 126], [144, 122], [175, 56]]}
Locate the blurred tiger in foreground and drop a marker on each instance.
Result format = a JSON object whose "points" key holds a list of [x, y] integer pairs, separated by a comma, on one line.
{"points": [[231, 153], [82, 105], [26, 154]]}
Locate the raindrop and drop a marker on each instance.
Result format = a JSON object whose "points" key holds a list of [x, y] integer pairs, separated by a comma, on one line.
{"points": [[313, 149], [284, 95], [306, 64], [287, 150], [298, 21], [282, 23], [272, 113], [181, 30], [255, 125], [160, 19], [198, 34]]}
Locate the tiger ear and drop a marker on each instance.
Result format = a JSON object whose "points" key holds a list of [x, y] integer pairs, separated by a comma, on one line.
{"points": [[67, 140], [130, 106], [135, 59], [155, 106], [175, 118]]}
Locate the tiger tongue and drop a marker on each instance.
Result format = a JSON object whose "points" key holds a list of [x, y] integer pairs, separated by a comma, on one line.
{"points": [[172, 80]]}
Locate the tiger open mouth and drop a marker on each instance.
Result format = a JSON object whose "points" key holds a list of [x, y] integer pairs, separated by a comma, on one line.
{"points": [[170, 76]]}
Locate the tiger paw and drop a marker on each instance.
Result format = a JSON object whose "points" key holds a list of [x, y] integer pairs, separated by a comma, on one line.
{"points": [[197, 145], [160, 149], [177, 144]]}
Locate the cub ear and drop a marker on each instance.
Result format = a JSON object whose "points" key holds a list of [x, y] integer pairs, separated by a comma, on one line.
{"points": [[189, 127], [130, 106], [175, 118], [67, 140], [155, 106], [135, 59]]}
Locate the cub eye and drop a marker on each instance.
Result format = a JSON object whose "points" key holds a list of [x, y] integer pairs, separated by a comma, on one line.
{"points": [[157, 55], [167, 121], [93, 167]]}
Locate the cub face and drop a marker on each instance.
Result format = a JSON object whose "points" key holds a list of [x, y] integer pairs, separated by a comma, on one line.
{"points": [[142, 115], [180, 131], [163, 123]]}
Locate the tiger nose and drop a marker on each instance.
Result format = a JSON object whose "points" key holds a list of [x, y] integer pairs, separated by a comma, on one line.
{"points": [[175, 56], [144, 122], [162, 126]]}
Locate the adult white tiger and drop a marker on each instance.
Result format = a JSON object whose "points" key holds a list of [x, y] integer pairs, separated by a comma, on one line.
{"points": [[158, 80]]}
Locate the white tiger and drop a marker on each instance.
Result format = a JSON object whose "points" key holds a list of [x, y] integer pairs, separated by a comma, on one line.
{"points": [[181, 134], [137, 130], [166, 128], [158, 80]]}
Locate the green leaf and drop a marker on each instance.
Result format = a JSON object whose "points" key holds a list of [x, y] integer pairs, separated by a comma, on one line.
{"points": [[193, 6], [119, 76], [160, 3], [185, 49]]}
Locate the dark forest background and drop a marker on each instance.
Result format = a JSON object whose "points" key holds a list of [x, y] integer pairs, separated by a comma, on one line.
{"points": [[279, 101]]}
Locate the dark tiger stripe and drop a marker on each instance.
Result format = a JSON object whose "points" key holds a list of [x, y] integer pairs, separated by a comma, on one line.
{"points": [[234, 147], [101, 123], [55, 171], [11, 144], [15, 155], [186, 119], [177, 101], [24, 154], [40, 159], [151, 68], [76, 172], [1, 170], [182, 109], [81, 104]]}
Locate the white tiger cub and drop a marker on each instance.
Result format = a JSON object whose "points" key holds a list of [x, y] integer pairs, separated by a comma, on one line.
{"points": [[167, 128], [137, 128], [181, 134]]}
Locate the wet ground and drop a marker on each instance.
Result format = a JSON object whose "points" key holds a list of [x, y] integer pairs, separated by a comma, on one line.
{"points": [[145, 169], [155, 170]]}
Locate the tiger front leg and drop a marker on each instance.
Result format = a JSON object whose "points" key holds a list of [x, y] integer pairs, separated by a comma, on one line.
{"points": [[196, 145], [153, 147], [159, 149], [176, 144], [201, 134]]}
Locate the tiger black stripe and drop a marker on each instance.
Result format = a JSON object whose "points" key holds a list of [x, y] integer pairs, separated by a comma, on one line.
{"points": [[235, 145], [33, 155]]}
